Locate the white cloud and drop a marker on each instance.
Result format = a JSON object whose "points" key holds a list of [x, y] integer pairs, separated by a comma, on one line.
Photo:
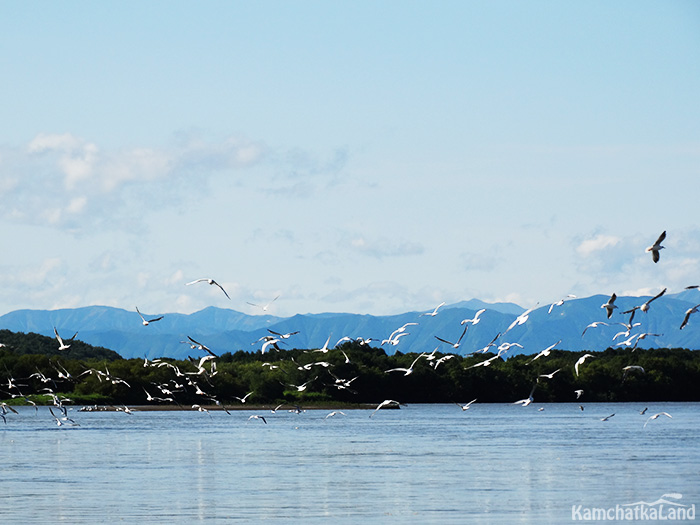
{"points": [[51, 142], [38, 181], [596, 244]]}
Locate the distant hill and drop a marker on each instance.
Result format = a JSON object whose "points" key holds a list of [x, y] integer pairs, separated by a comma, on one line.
{"points": [[225, 330], [32, 343], [476, 304]]}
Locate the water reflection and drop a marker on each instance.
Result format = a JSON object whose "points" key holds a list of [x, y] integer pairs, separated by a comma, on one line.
{"points": [[426, 464]]}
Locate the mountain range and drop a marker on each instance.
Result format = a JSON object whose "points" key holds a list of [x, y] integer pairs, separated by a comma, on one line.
{"points": [[226, 330]]}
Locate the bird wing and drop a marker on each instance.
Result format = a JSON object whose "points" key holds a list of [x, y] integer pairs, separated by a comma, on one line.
{"points": [[222, 289]]}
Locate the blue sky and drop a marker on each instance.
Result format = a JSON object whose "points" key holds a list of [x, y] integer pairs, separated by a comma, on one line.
{"points": [[369, 157]]}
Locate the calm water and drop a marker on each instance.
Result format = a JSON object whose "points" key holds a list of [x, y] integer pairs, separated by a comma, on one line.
{"points": [[420, 464]]}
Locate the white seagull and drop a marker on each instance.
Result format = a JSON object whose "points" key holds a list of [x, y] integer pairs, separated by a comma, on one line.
{"points": [[654, 248], [407, 371], [62, 344], [283, 336], [626, 370], [334, 413], [560, 302], [580, 361], [545, 352], [270, 342], [266, 306], [492, 343], [400, 330], [645, 306], [595, 324], [521, 319], [610, 305], [385, 403], [210, 281], [243, 399], [528, 400], [459, 341], [688, 313], [146, 322], [548, 376], [395, 340], [475, 319], [200, 346], [434, 312], [467, 406], [258, 417], [656, 416]]}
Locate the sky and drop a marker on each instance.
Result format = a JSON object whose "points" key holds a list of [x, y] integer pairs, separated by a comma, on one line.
{"points": [[371, 157]]}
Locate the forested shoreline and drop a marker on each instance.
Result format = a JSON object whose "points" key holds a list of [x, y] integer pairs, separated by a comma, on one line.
{"points": [[32, 371]]}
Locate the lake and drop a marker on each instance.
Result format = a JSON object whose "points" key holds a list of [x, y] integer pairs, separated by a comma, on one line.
{"points": [[493, 463]]}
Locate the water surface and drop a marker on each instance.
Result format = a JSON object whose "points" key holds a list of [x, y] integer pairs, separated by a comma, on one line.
{"points": [[422, 464]]}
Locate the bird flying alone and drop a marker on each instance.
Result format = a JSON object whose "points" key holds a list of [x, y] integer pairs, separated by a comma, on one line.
{"points": [[264, 307], [688, 313], [610, 305], [434, 312], [209, 281], [654, 248], [62, 344], [146, 322]]}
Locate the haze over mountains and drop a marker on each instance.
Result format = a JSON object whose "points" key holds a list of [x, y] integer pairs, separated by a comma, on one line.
{"points": [[225, 330]]}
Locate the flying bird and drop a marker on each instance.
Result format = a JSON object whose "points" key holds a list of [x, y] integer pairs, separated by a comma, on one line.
{"points": [[258, 417], [580, 361], [656, 416], [243, 399], [283, 336], [521, 319], [654, 248], [606, 417], [626, 370], [528, 400], [407, 371], [610, 305], [210, 281], [385, 403], [266, 306], [643, 336], [548, 376], [395, 340], [200, 346], [595, 324], [459, 341], [688, 313], [545, 352], [475, 319], [146, 322], [62, 344], [467, 406], [434, 312], [492, 343], [560, 302]]}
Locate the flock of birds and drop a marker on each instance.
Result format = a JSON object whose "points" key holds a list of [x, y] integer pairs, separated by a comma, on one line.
{"points": [[198, 378]]}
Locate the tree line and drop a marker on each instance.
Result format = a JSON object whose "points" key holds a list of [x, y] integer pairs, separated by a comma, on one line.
{"points": [[349, 374]]}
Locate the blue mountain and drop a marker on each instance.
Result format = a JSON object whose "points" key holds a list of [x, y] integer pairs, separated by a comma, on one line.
{"points": [[225, 330]]}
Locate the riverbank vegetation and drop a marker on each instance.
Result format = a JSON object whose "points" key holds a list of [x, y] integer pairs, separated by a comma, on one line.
{"points": [[349, 374]]}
